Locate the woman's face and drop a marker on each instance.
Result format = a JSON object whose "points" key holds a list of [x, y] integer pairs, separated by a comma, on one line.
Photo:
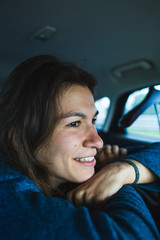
{"points": [[70, 151]]}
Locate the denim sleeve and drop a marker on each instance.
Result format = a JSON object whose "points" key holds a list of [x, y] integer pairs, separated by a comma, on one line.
{"points": [[148, 155]]}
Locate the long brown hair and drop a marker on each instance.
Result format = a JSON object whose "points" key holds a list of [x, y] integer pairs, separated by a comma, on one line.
{"points": [[29, 111]]}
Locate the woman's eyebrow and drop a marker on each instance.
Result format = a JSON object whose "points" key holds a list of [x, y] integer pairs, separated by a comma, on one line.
{"points": [[73, 114], [76, 114]]}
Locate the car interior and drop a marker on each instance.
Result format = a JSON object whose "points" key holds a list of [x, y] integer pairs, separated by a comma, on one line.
{"points": [[116, 41]]}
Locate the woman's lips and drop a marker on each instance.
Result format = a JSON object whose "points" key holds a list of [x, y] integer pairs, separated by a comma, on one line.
{"points": [[87, 161]]}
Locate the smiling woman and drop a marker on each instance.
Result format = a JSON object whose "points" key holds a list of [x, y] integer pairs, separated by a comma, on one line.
{"points": [[49, 144], [48, 91], [71, 149]]}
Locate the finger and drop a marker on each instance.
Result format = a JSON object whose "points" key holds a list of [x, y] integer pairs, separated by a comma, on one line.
{"points": [[115, 150], [73, 195], [107, 149], [76, 197], [99, 150], [122, 152], [103, 153]]}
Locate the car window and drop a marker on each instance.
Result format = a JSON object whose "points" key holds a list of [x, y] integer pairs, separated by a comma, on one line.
{"points": [[102, 106], [147, 124]]}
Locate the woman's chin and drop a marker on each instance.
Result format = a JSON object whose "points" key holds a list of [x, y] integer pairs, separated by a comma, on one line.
{"points": [[84, 178]]}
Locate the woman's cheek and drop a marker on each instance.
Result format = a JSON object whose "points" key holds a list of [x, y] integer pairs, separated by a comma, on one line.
{"points": [[68, 141]]}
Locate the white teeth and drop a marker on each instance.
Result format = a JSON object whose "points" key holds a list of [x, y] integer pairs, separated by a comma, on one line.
{"points": [[87, 159]]}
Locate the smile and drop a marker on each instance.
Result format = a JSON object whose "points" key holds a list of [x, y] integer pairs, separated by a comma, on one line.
{"points": [[87, 159]]}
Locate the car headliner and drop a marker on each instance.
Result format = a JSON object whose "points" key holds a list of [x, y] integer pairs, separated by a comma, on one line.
{"points": [[98, 35]]}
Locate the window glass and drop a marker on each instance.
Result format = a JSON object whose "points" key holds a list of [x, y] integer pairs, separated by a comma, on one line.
{"points": [[147, 124], [135, 98], [102, 106]]}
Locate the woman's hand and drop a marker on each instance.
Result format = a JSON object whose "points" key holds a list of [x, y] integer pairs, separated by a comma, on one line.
{"points": [[112, 175], [95, 192], [109, 154]]}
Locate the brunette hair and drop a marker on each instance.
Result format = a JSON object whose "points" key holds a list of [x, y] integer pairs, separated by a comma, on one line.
{"points": [[29, 110]]}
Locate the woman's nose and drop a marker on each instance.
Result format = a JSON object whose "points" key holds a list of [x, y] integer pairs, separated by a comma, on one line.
{"points": [[93, 139]]}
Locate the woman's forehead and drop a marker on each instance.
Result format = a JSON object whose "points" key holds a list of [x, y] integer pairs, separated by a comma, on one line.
{"points": [[77, 99], [77, 93]]}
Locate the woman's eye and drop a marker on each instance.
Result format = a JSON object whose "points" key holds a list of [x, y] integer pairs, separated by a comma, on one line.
{"points": [[74, 124]]}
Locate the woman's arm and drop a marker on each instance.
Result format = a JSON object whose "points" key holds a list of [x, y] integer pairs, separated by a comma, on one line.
{"points": [[95, 192], [124, 217], [109, 154], [110, 178], [30, 215], [147, 159], [148, 156]]}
